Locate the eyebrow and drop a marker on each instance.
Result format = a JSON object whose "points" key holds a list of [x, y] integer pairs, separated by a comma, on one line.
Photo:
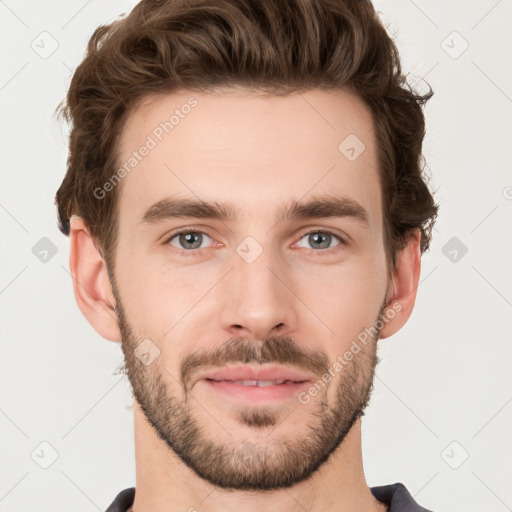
{"points": [[318, 207]]}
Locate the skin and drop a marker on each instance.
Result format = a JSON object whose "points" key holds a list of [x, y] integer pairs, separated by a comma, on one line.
{"points": [[291, 305]]}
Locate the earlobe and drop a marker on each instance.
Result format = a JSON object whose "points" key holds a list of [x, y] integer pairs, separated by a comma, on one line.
{"points": [[91, 285], [402, 290]]}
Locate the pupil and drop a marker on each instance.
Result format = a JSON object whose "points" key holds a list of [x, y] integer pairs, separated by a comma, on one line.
{"points": [[190, 238], [318, 237]]}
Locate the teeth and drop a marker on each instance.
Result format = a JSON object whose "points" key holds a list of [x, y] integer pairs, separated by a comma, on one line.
{"points": [[258, 383]]}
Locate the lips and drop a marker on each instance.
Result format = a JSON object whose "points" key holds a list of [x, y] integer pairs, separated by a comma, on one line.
{"points": [[256, 375]]}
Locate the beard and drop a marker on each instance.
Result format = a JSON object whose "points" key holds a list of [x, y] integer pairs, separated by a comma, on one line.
{"points": [[248, 464]]}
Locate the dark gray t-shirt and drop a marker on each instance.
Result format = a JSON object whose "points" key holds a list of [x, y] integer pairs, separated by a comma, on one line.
{"points": [[395, 496]]}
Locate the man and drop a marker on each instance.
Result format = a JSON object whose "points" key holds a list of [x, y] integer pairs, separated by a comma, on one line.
{"points": [[247, 212]]}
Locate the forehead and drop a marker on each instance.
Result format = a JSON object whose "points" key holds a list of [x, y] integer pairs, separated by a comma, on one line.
{"points": [[256, 151]]}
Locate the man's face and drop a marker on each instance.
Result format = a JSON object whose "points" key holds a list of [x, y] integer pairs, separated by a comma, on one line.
{"points": [[259, 289]]}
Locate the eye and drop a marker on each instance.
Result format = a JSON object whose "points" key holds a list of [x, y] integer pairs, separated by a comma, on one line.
{"points": [[322, 239], [188, 240]]}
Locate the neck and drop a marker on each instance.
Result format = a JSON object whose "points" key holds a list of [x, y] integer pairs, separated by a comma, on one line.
{"points": [[164, 483]]}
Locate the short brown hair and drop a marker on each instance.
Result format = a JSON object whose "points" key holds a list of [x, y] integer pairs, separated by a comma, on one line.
{"points": [[273, 46]]}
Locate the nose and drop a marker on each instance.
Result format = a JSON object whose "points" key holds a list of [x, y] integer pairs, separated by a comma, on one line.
{"points": [[257, 299]]}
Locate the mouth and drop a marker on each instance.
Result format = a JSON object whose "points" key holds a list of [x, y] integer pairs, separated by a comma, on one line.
{"points": [[254, 391], [259, 383], [261, 376], [255, 384]]}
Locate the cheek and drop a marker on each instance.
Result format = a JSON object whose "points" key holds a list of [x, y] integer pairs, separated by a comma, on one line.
{"points": [[160, 300], [145, 295], [347, 297]]}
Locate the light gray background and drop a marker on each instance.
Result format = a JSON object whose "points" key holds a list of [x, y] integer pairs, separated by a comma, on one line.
{"points": [[443, 389]]}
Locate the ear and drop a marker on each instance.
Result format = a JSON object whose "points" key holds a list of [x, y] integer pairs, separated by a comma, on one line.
{"points": [[401, 293], [91, 285]]}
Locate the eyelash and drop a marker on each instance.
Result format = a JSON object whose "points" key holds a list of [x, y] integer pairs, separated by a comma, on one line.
{"points": [[194, 252]]}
